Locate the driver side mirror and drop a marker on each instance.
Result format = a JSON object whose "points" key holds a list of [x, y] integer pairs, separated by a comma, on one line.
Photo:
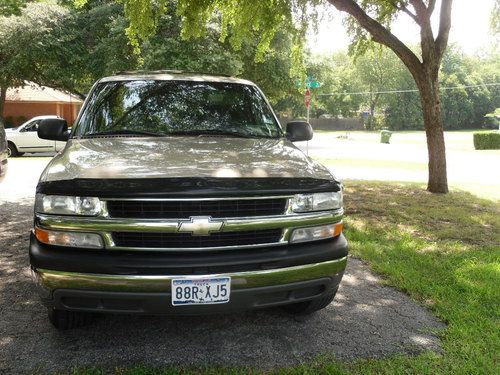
{"points": [[297, 131], [53, 129]]}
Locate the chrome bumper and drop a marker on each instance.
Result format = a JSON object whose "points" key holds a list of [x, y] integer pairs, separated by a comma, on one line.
{"points": [[49, 281]]}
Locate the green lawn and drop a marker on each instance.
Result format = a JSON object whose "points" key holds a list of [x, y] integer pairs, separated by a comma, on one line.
{"points": [[442, 250]]}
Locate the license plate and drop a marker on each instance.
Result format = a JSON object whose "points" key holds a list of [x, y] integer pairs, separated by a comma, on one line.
{"points": [[201, 291]]}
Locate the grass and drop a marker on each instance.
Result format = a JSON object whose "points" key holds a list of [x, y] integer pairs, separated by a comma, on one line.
{"points": [[442, 250]]}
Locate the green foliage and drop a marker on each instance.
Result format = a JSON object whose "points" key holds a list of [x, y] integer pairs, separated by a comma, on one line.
{"points": [[487, 141], [38, 26], [495, 18], [10, 7], [236, 21]]}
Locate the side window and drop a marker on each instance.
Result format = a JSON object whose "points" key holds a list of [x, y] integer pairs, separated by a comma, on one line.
{"points": [[32, 127]]}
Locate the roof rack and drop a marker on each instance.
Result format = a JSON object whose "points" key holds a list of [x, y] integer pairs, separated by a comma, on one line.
{"points": [[169, 71]]}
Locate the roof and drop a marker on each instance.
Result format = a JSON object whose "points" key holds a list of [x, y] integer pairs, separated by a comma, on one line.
{"points": [[34, 93], [173, 75]]}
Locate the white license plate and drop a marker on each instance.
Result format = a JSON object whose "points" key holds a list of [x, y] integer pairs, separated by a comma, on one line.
{"points": [[200, 291]]}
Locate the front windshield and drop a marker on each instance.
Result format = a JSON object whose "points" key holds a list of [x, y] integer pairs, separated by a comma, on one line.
{"points": [[163, 108]]}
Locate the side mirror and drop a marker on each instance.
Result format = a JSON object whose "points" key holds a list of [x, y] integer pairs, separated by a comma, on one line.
{"points": [[53, 129], [297, 131]]}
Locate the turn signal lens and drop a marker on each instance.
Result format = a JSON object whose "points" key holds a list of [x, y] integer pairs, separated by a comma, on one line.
{"points": [[69, 239], [316, 233]]}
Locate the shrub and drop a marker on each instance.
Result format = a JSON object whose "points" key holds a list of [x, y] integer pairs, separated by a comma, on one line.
{"points": [[9, 122], [487, 141]]}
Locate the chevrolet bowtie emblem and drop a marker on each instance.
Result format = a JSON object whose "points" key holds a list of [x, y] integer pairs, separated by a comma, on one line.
{"points": [[200, 225]]}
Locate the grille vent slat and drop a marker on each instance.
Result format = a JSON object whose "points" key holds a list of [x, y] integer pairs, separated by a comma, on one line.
{"points": [[186, 240], [185, 209]]}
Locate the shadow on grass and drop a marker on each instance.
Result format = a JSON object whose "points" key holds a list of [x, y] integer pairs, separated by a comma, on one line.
{"points": [[443, 250]]}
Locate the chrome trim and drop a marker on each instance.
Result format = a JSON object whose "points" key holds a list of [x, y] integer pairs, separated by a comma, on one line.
{"points": [[200, 199], [98, 224], [105, 225], [48, 279], [110, 245]]}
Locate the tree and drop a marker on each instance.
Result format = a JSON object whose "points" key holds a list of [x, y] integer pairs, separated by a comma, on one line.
{"points": [[372, 20], [376, 69], [31, 28]]}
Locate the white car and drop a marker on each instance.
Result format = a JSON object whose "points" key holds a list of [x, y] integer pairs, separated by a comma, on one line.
{"points": [[25, 138]]}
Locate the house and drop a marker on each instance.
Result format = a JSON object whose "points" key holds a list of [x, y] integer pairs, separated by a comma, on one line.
{"points": [[23, 103]]}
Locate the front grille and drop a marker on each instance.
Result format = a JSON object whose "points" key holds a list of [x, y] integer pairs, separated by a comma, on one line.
{"points": [[186, 240], [185, 209]]}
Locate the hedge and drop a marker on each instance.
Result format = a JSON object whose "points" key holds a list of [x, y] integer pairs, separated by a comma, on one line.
{"points": [[487, 141]]}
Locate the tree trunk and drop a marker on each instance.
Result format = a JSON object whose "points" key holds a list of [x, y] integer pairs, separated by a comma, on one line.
{"points": [[373, 105], [3, 95], [431, 108]]}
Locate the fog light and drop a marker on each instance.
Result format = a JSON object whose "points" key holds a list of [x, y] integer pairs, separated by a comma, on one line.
{"points": [[69, 239], [316, 233]]}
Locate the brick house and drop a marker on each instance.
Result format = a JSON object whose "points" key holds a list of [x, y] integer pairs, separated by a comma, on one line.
{"points": [[23, 103]]}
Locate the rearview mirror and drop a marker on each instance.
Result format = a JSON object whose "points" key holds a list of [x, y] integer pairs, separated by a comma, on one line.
{"points": [[53, 129], [297, 131]]}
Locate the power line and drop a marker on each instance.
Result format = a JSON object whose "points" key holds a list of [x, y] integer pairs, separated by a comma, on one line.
{"points": [[411, 90]]}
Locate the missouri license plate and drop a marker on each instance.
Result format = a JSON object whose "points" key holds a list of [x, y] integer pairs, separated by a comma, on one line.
{"points": [[200, 291]]}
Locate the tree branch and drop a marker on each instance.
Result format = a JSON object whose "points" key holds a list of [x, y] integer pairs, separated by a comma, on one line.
{"points": [[404, 9], [444, 27], [380, 34], [419, 6], [430, 7]]}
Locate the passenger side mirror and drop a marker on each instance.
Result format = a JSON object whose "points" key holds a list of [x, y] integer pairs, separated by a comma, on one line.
{"points": [[53, 129], [297, 131]]}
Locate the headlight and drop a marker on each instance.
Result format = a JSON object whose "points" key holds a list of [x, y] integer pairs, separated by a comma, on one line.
{"points": [[316, 202], [67, 205]]}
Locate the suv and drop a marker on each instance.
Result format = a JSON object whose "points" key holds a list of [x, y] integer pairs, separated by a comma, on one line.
{"points": [[24, 138], [180, 193]]}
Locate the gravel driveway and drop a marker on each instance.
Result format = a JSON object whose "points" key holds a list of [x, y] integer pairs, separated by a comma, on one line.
{"points": [[366, 320]]}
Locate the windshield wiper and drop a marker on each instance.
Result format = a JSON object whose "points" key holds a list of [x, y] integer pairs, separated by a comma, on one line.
{"points": [[122, 132], [215, 133]]}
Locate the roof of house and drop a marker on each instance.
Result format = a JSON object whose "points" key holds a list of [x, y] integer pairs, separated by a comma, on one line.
{"points": [[34, 93]]}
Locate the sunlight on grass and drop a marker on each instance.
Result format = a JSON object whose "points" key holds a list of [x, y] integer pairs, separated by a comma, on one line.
{"points": [[451, 263]]}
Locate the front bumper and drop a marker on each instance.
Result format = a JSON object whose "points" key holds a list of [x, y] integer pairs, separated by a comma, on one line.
{"points": [[138, 282], [151, 294]]}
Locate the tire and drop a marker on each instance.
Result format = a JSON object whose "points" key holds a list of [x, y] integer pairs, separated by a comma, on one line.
{"points": [[12, 150], [64, 319], [309, 307]]}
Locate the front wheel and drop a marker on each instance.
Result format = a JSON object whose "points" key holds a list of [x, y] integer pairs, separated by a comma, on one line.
{"points": [[308, 307], [12, 151], [64, 319]]}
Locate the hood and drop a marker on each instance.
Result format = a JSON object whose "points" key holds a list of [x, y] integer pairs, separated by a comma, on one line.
{"points": [[174, 157]]}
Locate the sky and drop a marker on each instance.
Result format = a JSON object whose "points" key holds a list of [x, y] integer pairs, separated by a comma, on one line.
{"points": [[470, 28]]}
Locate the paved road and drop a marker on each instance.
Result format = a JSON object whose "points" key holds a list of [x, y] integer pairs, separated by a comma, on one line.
{"points": [[367, 319]]}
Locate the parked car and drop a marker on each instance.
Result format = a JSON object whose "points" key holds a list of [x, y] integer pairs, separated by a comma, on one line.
{"points": [[3, 153], [181, 194], [25, 138]]}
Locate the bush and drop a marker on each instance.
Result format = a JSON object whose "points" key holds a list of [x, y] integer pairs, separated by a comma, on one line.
{"points": [[9, 122], [487, 141]]}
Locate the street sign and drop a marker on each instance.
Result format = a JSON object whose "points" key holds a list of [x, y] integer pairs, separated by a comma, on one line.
{"points": [[307, 98]]}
